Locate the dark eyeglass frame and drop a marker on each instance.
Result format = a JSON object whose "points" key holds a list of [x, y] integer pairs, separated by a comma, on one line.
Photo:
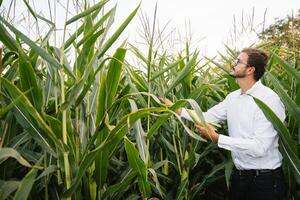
{"points": [[237, 61]]}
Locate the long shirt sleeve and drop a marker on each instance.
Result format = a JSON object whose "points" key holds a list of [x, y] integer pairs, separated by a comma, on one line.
{"points": [[217, 113], [252, 140], [263, 137]]}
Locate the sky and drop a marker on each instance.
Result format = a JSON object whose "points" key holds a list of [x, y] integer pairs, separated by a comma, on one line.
{"points": [[207, 24], [212, 21]]}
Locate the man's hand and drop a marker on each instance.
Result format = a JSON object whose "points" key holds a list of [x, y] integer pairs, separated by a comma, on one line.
{"points": [[208, 132], [169, 103]]}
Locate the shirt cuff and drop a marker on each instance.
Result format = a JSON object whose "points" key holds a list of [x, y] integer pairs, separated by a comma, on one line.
{"points": [[224, 142]]}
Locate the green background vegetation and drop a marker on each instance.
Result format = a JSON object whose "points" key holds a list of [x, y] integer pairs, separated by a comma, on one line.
{"points": [[95, 128]]}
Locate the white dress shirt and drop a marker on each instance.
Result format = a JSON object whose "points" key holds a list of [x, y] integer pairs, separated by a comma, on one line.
{"points": [[252, 139]]}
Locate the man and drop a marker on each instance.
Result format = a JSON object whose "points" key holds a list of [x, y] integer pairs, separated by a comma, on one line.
{"points": [[252, 139]]}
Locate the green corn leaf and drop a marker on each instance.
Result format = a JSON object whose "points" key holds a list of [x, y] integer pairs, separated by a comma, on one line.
{"points": [[33, 116], [101, 104], [114, 75], [183, 73], [157, 124], [33, 56], [139, 82], [30, 9], [158, 74], [120, 130], [289, 146], [182, 191], [288, 67], [197, 109], [232, 52], [114, 137], [209, 177], [138, 53], [48, 171], [87, 49], [8, 40], [157, 184], [291, 106], [28, 124], [55, 125], [76, 34], [232, 83], [102, 159], [94, 28], [95, 8], [176, 106], [6, 153], [139, 133], [288, 159], [121, 185], [228, 171], [9, 57], [118, 32], [8, 107], [162, 119], [218, 65], [76, 90], [137, 165], [47, 21], [29, 82], [40, 51], [26, 184], [66, 65], [7, 188]]}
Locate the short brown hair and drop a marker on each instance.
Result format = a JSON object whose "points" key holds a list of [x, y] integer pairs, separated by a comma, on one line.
{"points": [[258, 59]]}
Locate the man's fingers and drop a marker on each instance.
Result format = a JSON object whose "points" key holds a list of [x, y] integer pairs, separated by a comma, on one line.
{"points": [[200, 127], [162, 99], [202, 130], [166, 101], [197, 126]]}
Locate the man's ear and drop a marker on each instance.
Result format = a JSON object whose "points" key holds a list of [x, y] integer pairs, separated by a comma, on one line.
{"points": [[251, 70]]}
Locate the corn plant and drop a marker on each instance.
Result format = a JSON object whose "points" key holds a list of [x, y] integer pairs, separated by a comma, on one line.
{"points": [[92, 126]]}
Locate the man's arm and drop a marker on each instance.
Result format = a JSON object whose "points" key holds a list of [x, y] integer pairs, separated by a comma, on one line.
{"points": [[263, 136], [216, 114]]}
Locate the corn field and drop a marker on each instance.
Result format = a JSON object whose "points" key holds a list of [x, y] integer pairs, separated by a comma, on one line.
{"points": [[92, 126]]}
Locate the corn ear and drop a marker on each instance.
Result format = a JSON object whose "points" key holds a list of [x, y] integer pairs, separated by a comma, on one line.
{"points": [[197, 120]]}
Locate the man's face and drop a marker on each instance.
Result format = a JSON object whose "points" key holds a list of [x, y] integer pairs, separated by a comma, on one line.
{"points": [[239, 66]]}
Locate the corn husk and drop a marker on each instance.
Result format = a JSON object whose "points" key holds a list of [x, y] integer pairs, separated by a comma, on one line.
{"points": [[198, 121]]}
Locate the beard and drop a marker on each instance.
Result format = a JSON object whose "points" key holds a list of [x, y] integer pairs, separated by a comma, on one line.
{"points": [[238, 74]]}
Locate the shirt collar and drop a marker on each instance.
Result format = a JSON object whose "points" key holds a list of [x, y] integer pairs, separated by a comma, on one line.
{"points": [[253, 88]]}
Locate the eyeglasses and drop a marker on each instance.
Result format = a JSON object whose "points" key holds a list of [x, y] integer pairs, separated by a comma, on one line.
{"points": [[237, 61]]}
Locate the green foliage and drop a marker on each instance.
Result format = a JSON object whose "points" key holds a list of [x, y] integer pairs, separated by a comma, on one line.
{"points": [[284, 32], [94, 127]]}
